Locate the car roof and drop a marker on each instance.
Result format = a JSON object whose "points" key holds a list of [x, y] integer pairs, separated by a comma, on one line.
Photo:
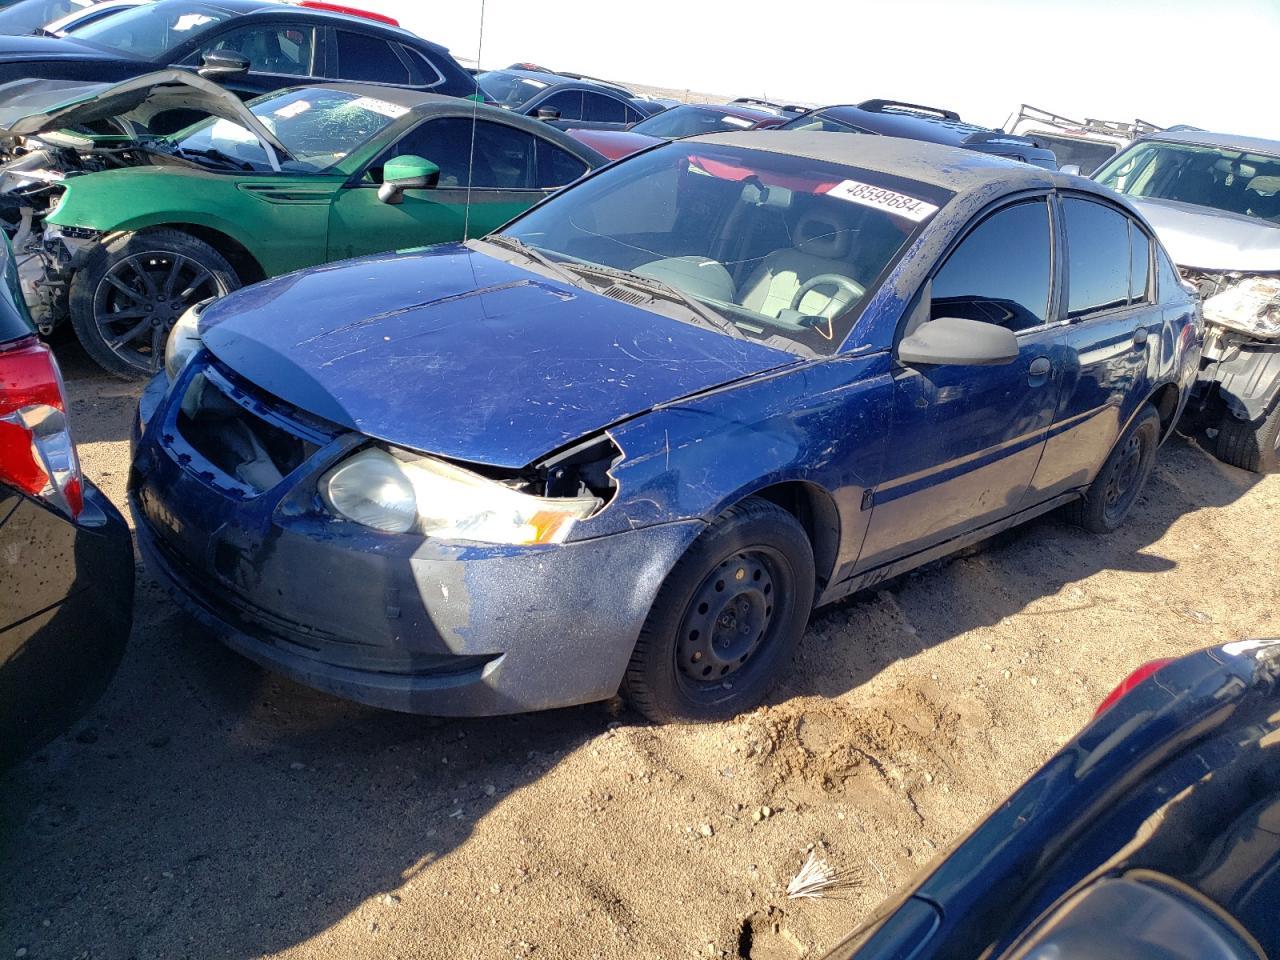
{"points": [[276, 9], [904, 123], [1228, 141], [732, 109], [560, 80], [952, 168]]}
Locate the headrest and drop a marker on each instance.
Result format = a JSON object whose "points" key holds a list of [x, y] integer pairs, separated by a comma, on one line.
{"points": [[821, 236]]}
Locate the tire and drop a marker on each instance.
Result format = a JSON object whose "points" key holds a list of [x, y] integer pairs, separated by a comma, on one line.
{"points": [[129, 293], [727, 619], [1251, 444], [1115, 489]]}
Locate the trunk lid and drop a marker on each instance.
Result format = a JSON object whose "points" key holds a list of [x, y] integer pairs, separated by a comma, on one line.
{"points": [[453, 352]]}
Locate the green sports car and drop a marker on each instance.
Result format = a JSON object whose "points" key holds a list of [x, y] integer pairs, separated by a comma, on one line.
{"points": [[128, 230]]}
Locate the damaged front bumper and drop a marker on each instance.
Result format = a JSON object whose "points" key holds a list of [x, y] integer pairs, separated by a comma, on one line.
{"points": [[398, 621], [1240, 362]]}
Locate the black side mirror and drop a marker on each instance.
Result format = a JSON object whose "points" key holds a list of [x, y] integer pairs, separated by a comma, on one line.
{"points": [[223, 65], [957, 342], [547, 114]]}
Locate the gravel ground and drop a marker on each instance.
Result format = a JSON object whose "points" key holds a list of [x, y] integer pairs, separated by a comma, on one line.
{"points": [[209, 809]]}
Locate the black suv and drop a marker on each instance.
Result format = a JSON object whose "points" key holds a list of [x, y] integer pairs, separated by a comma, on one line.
{"points": [[249, 46], [911, 121]]}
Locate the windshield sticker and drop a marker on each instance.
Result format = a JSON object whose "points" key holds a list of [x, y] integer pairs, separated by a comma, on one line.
{"points": [[291, 110], [736, 122], [898, 204], [190, 21], [382, 107]]}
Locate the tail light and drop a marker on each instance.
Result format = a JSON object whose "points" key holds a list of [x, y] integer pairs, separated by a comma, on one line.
{"points": [[349, 11], [1131, 681], [37, 454]]}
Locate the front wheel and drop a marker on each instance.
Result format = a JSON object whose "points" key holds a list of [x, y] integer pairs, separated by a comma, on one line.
{"points": [[727, 619], [1115, 489], [130, 292], [1251, 444]]}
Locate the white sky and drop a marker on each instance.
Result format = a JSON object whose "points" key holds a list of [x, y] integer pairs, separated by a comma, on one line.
{"points": [[1210, 63]]}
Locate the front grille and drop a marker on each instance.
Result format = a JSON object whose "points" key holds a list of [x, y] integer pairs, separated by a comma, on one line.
{"points": [[241, 444]]}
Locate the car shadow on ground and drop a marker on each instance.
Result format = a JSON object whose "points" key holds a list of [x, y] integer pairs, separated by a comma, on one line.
{"points": [[208, 808]]}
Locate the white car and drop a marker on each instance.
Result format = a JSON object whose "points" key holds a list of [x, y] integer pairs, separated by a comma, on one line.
{"points": [[1085, 145]]}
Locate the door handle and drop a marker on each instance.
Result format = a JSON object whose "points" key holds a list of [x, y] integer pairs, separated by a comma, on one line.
{"points": [[1040, 367], [1140, 337]]}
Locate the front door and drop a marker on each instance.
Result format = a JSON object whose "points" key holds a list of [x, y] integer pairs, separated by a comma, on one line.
{"points": [[965, 440], [482, 186]]}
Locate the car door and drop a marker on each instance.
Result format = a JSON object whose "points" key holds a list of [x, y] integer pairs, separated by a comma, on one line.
{"points": [[1112, 323], [965, 440], [481, 187], [280, 54]]}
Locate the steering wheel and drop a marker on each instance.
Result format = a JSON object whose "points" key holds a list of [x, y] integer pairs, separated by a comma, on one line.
{"points": [[847, 293]]}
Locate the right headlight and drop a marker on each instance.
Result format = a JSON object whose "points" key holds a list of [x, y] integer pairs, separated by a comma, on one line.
{"points": [[1250, 306], [184, 341], [399, 492]]}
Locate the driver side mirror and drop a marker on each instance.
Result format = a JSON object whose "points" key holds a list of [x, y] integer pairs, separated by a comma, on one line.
{"points": [[957, 342], [547, 114], [406, 173], [223, 65]]}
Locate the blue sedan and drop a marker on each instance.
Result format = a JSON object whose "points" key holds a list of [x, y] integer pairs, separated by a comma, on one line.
{"points": [[633, 438]]}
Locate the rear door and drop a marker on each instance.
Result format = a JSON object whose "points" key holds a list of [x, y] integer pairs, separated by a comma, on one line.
{"points": [[482, 186], [965, 440], [1113, 321]]}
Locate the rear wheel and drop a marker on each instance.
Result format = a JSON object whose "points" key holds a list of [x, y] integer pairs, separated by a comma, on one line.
{"points": [[1115, 489], [130, 292], [727, 619], [1251, 444]]}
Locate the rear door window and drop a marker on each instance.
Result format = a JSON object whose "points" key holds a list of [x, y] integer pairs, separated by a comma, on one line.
{"points": [[1001, 272], [1097, 257], [557, 166], [370, 59]]}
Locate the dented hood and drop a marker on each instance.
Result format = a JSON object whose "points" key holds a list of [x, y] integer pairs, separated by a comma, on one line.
{"points": [[1211, 239], [453, 352], [29, 108]]}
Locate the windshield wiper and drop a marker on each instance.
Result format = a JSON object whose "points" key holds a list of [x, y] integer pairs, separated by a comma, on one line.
{"points": [[534, 254], [213, 153], [653, 285]]}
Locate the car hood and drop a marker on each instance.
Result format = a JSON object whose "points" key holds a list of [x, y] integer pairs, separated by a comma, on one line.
{"points": [[613, 144], [29, 108], [51, 48], [454, 352], [1211, 239]]}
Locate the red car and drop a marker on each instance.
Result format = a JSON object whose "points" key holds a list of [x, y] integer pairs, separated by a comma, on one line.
{"points": [[685, 120]]}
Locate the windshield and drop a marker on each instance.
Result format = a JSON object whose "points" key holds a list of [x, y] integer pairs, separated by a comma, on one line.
{"points": [[28, 16], [783, 248], [318, 126], [689, 121], [509, 89], [821, 122], [1233, 181], [148, 31]]}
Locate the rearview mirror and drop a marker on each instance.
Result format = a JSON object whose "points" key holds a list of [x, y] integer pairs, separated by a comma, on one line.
{"points": [[406, 173], [1071, 168], [956, 342], [223, 65], [547, 114]]}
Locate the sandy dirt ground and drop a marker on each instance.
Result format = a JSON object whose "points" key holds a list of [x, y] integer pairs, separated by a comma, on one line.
{"points": [[209, 809]]}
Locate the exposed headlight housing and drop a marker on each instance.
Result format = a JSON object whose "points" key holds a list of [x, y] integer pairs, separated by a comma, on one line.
{"points": [[1251, 306], [401, 492], [184, 341]]}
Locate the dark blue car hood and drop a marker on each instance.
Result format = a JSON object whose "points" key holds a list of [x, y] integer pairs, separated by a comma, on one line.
{"points": [[453, 352]]}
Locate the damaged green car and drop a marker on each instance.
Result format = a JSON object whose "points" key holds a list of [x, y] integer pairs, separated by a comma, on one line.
{"points": [[124, 231]]}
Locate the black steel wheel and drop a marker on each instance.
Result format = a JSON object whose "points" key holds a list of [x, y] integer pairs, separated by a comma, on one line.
{"points": [[129, 294], [1115, 489], [1251, 444], [727, 619]]}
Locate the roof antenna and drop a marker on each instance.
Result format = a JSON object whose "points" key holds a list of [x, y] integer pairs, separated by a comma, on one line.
{"points": [[475, 108]]}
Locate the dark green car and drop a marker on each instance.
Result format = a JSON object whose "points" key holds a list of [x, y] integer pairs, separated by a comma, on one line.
{"points": [[296, 178]]}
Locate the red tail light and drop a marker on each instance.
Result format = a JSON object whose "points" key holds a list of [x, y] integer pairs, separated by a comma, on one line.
{"points": [[1131, 681], [350, 11], [37, 454]]}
